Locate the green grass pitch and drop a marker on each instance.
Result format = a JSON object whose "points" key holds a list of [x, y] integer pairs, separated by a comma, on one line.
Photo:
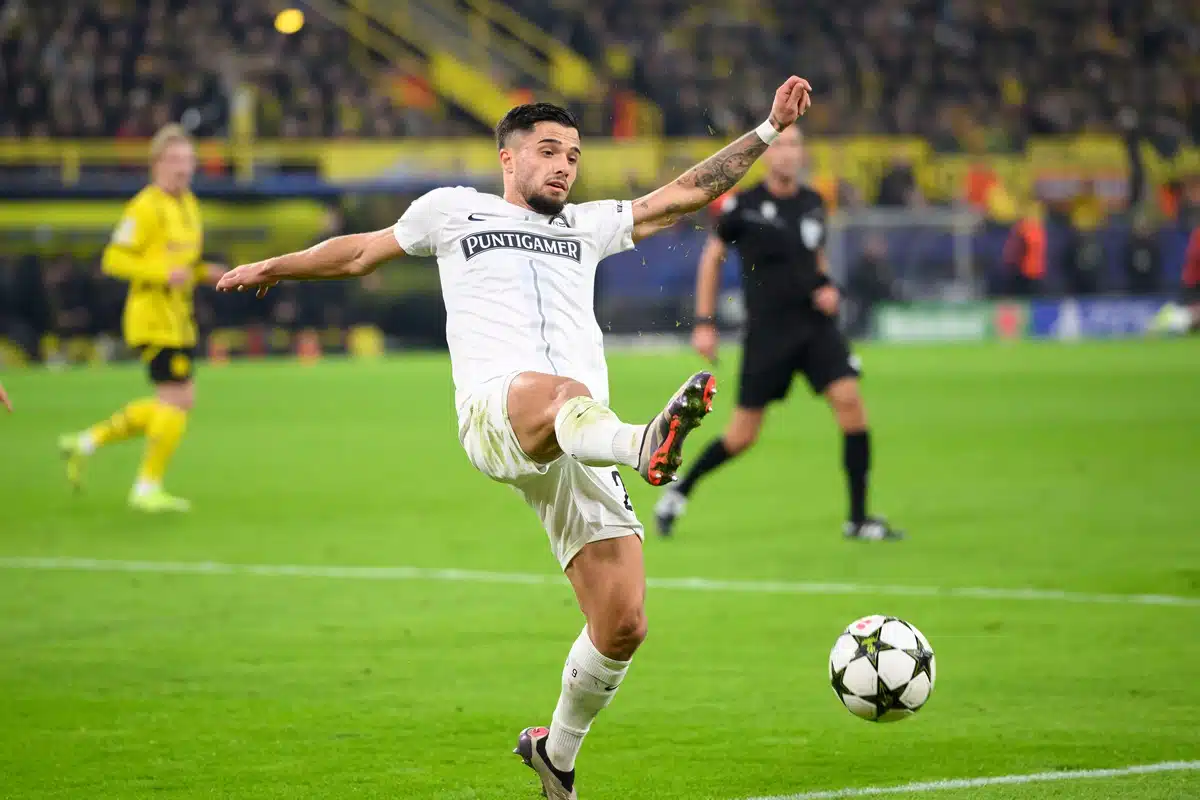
{"points": [[1073, 468]]}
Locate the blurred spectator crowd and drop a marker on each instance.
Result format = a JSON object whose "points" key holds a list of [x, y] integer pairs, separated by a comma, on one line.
{"points": [[969, 75], [123, 68]]}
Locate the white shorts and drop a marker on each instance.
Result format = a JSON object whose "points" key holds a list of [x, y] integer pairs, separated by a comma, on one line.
{"points": [[576, 503]]}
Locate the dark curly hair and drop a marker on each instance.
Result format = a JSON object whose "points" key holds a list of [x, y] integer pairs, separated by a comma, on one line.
{"points": [[524, 117]]}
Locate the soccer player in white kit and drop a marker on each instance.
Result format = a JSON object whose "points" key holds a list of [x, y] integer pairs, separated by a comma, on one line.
{"points": [[531, 384]]}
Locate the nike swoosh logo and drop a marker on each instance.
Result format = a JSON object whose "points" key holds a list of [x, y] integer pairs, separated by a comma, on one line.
{"points": [[474, 217], [610, 688]]}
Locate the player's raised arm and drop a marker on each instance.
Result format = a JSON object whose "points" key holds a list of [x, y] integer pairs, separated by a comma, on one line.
{"points": [[718, 173], [347, 256]]}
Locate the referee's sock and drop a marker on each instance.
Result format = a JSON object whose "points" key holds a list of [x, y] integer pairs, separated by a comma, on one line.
{"points": [[856, 458], [713, 456]]}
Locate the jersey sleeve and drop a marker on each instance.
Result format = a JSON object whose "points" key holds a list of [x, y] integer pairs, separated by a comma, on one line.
{"points": [[137, 226], [728, 226], [125, 255], [610, 222], [416, 230]]}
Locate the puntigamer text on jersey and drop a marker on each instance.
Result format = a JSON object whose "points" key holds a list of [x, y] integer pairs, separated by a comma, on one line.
{"points": [[477, 243]]}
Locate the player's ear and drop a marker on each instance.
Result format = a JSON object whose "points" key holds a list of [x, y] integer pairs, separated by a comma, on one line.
{"points": [[506, 161]]}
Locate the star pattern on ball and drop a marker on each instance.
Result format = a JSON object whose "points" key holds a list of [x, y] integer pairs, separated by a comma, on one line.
{"points": [[869, 647], [881, 686], [924, 659], [839, 684], [885, 699]]}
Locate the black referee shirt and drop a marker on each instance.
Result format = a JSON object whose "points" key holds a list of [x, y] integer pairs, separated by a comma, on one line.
{"points": [[778, 239]]}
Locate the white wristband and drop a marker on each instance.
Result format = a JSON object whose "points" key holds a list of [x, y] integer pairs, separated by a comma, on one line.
{"points": [[767, 132]]}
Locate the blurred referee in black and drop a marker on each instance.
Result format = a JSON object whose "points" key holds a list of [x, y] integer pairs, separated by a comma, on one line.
{"points": [[778, 228]]}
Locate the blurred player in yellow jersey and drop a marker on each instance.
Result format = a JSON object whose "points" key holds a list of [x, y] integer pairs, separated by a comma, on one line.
{"points": [[156, 249]]}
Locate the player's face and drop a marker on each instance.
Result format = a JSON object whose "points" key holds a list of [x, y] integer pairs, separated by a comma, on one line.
{"points": [[176, 166], [785, 156], [544, 164]]}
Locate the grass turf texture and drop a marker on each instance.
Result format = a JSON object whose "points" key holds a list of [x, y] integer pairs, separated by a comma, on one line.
{"points": [[1048, 466]]}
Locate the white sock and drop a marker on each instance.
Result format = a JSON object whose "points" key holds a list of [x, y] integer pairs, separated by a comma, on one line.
{"points": [[589, 681], [86, 443], [143, 487], [591, 433]]}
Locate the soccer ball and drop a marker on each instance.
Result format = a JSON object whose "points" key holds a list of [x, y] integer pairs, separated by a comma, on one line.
{"points": [[882, 668]]}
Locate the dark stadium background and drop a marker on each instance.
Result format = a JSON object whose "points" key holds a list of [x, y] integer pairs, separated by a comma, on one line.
{"points": [[956, 115]]}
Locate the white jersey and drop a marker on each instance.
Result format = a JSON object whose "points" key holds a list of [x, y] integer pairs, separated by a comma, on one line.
{"points": [[519, 286]]}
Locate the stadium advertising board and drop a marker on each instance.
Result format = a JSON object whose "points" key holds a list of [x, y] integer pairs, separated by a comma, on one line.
{"points": [[1063, 319], [1092, 318], [950, 322]]}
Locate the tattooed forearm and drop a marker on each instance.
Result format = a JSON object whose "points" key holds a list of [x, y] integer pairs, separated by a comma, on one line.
{"points": [[697, 187], [719, 172]]}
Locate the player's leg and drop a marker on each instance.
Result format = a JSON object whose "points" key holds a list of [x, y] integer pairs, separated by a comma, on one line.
{"points": [[610, 585], [551, 415], [833, 372], [131, 420], [595, 533], [175, 395]]}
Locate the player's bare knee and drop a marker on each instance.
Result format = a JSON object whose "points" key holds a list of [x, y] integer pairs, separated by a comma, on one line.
{"points": [[534, 400], [627, 630], [851, 412], [563, 392], [847, 404]]}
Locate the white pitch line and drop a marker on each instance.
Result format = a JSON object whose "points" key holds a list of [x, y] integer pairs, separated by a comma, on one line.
{"points": [[687, 584], [999, 780]]}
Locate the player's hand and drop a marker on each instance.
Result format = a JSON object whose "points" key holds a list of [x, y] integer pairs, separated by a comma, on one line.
{"points": [[4, 399], [247, 276], [792, 99], [178, 277], [826, 300], [705, 339]]}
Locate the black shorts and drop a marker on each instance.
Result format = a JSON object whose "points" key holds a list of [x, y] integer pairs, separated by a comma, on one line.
{"points": [[1190, 295], [770, 361], [168, 364]]}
